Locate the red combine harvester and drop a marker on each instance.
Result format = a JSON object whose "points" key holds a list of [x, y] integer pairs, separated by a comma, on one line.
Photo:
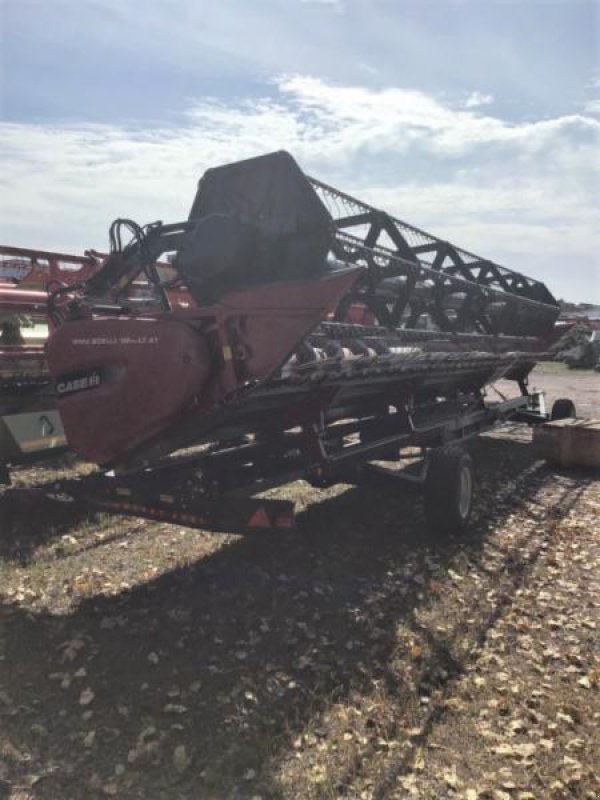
{"points": [[300, 333], [30, 424]]}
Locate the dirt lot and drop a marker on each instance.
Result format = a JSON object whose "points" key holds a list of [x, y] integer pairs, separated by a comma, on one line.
{"points": [[357, 658]]}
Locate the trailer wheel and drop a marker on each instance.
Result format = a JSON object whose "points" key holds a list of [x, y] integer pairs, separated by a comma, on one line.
{"points": [[449, 490], [563, 408]]}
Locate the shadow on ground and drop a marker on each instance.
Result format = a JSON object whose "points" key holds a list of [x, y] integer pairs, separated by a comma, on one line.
{"points": [[25, 522], [234, 655]]}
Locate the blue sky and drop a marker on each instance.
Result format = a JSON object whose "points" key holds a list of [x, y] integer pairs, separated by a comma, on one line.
{"points": [[477, 120]]}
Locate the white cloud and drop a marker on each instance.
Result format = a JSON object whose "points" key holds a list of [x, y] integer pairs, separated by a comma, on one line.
{"points": [[524, 193], [592, 106], [478, 99]]}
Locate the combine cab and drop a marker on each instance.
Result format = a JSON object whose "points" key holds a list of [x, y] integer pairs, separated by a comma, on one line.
{"points": [[298, 333]]}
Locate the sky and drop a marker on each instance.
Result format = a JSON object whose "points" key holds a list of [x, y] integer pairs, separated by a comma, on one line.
{"points": [[477, 120]]}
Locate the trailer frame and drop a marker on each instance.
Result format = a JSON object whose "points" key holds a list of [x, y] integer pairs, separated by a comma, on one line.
{"points": [[215, 487]]}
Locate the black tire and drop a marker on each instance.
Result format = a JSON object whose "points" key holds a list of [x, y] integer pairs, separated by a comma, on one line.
{"points": [[564, 408], [449, 490]]}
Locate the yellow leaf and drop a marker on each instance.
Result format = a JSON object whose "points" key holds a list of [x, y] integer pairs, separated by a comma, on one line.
{"points": [[419, 762], [451, 777]]}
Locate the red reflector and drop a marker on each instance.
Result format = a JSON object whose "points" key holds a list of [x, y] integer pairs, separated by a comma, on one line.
{"points": [[285, 521], [259, 519]]}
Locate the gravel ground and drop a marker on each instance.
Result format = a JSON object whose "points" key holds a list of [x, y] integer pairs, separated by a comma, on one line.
{"points": [[358, 658]]}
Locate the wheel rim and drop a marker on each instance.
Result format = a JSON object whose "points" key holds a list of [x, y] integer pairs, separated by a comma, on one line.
{"points": [[465, 492]]}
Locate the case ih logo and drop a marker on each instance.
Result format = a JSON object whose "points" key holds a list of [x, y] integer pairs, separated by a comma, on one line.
{"points": [[78, 383]]}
